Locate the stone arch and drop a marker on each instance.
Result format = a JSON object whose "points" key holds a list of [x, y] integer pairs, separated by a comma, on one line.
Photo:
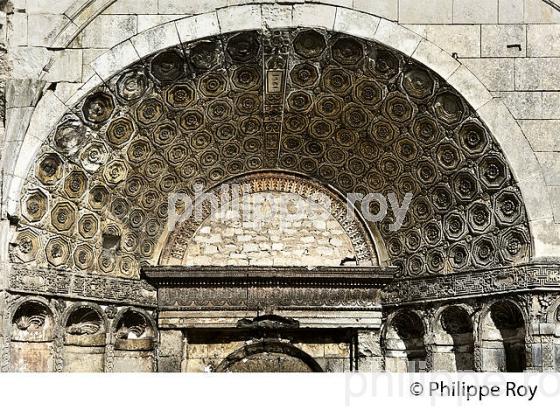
{"points": [[269, 356], [503, 331], [404, 342], [32, 335], [552, 313], [81, 13], [453, 339], [134, 339], [400, 104], [367, 244], [134, 324], [33, 320], [492, 112], [85, 327]]}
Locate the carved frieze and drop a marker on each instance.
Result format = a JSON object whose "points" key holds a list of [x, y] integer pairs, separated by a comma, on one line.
{"points": [[475, 283], [81, 286], [209, 288]]}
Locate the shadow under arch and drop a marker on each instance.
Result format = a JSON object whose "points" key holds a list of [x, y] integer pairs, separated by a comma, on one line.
{"points": [[85, 337], [403, 340], [269, 356], [457, 325], [503, 331], [134, 336]]}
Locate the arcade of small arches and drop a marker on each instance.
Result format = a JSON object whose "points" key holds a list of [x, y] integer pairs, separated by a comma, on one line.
{"points": [[82, 336], [295, 111]]}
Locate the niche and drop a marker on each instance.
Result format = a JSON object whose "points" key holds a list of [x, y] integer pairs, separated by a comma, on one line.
{"points": [[32, 338], [134, 341], [84, 341]]}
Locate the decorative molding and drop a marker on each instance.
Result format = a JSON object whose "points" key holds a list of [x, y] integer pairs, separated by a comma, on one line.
{"points": [[66, 284], [358, 117], [210, 288], [474, 284]]}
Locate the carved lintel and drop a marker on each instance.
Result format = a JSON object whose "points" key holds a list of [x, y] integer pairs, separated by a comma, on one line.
{"points": [[200, 288]]}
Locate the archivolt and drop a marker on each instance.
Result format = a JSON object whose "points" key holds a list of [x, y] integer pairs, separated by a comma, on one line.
{"points": [[349, 113], [365, 247]]}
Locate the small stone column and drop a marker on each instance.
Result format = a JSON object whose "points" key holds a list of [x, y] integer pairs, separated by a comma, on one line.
{"points": [[170, 351], [370, 357], [542, 349]]}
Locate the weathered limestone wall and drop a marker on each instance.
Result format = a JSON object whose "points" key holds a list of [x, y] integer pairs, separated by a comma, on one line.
{"points": [[331, 356], [279, 231]]}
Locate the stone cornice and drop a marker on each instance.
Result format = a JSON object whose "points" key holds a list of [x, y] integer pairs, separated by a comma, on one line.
{"points": [[61, 283], [277, 276], [474, 283], [263, 288]]}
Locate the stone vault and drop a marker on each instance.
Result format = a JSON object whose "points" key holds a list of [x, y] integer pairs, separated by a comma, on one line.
{"points": [[286, 111]]}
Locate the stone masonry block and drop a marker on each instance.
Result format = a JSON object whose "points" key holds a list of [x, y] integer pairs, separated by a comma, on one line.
{"points": [[314, 15], [497, 74], [95, 35], [277, 15], [542, 134], [355, 23], [48, 7], [388, 9], [134, 7], [17, 30], [425, 12], [475, 11], [537, 74], [461, 39], [66, 66], [189, 7], [550, 164], [495, 40], [533, 105], [42, 29], [539, 12], [543, 40], [246, 17], [203, 25], [546, 238], [510, 11]]}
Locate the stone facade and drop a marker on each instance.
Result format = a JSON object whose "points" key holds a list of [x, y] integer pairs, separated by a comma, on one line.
{"points": [[108, 106]]}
